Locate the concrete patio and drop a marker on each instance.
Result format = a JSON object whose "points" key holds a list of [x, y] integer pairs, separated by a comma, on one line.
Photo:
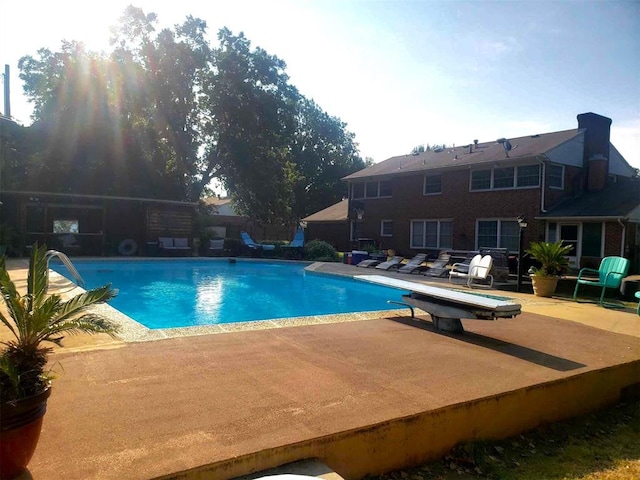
{"points": [[363, 397]]}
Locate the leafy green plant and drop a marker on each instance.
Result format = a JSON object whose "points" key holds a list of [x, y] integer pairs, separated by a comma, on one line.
{"points": [[320, 251], [37, 317], [552, 257]]}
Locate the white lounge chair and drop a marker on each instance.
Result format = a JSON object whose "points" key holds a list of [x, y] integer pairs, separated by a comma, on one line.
{"points": [[478, 270]]}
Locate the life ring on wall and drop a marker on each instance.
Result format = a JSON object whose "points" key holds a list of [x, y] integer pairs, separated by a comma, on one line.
{"points": [[127, 247]]}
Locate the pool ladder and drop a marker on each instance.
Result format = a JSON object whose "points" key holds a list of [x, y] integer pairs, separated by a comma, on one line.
{"points": [[67, 263]]}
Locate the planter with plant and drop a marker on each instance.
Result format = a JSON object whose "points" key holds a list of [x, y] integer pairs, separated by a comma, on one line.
{"points": [[553, 263], [31, 319]]}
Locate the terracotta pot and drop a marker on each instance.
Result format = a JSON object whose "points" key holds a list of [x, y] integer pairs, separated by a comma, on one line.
{"points": [[544, 286], [19, 432]]}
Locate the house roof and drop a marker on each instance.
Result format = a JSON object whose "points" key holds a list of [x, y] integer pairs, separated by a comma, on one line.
{"points": [[335, 213], [522, 147], [99, 197], [217, 201], [616, 200]]}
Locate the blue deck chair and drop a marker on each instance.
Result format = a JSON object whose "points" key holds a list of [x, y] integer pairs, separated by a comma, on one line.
{"points": [[610, 274], [298, 240], [248, 241]]}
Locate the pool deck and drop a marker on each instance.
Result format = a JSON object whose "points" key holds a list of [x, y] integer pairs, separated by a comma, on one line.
{"points": [[362, 396]]}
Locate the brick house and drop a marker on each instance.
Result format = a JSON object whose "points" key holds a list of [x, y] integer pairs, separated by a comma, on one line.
{"points": [[571, 185]]}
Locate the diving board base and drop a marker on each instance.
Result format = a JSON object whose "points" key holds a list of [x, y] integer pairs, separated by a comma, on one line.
{"points": [[447, 306]]}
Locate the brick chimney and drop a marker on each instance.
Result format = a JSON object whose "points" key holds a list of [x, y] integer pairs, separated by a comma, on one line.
{"points": [[596, 149]]}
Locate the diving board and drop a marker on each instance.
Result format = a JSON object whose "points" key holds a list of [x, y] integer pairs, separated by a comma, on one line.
{"points": [[447, 306]]}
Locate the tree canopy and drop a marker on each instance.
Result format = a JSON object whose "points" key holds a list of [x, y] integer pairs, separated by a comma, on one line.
{"points": [[165, 112]]}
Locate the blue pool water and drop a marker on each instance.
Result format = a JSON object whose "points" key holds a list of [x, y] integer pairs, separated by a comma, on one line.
{"points": [[181, 293]]}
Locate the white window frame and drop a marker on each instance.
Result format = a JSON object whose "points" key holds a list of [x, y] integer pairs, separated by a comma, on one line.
{"points": [[364, 190], [554, 187], [515, 186], [382, 223], [439, 221], [424, 185], [498, 232]]}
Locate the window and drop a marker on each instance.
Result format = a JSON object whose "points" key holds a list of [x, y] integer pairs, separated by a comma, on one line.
{"points": [[386, 228], [432, 184], [503, 178], [498, 234], [481, 180], [529, 176], [556, 176], [66, 226], [506, 177], [371, 189], [385, 188], [431, 234]]}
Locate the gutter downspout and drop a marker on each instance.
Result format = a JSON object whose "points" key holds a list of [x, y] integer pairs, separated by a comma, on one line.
{"points": [[624, 234]]}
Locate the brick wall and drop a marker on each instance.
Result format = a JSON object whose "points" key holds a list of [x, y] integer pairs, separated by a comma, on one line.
{"points": [[455, 202], [612, 239]]}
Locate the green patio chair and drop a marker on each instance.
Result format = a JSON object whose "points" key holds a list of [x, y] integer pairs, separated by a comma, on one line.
{"points": [[610, 274], [637, 295]]}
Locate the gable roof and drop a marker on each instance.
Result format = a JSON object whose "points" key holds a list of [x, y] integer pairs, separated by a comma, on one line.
{"points": [[335, 213], [521, 147], [616, 200]]}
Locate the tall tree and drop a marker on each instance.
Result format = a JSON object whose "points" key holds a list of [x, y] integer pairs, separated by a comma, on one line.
{"points": [[324, 152], [165, 113]]}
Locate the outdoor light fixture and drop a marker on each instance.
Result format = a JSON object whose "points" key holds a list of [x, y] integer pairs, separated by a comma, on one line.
{"points": [[522, 224], [359, 213]]}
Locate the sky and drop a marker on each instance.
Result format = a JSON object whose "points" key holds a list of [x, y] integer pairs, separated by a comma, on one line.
{"points": [[402, 73]]}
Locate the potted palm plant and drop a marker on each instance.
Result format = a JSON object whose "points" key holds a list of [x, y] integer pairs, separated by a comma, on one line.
{"points": [[553, 263], [31, 319]]}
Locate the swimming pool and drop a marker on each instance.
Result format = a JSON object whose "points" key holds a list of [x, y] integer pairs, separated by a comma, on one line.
{"points": [[186, 293]]}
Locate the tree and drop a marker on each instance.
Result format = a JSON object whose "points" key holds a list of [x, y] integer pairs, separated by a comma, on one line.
{"points": [[324, 152], [165, 113]]}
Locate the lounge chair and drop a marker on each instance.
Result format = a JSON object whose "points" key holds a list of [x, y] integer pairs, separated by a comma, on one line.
{"points": [[478, 270], [369, 263], [438, 266], [248, 242], [298, 240], [394, 262], [414, 265], [609, 275]]}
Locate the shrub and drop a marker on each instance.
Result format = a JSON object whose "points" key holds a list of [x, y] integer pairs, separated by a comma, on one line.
{"points": [[320, 251]]}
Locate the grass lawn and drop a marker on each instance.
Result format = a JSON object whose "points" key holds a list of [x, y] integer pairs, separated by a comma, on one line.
{"points": [[601, 446]]}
